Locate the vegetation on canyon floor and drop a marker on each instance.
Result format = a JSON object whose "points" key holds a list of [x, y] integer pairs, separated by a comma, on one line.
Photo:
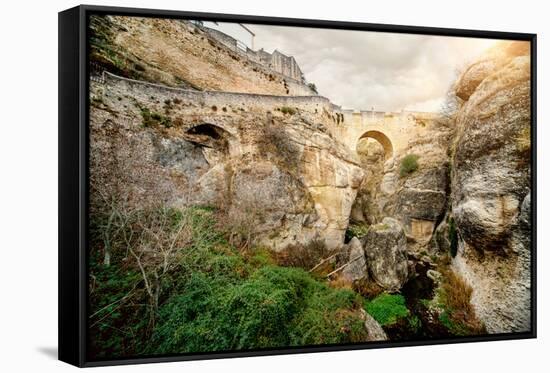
{"points": [[166, 280], [387, 309], [201, 294]]}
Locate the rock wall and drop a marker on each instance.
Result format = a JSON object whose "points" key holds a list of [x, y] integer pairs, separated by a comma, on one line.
{"points": [[179, 54], [277, 171], [491, 186], [417, 200]]}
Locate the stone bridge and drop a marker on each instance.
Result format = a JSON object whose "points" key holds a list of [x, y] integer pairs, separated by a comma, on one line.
{"points": [[393, 130], [230, 127]]}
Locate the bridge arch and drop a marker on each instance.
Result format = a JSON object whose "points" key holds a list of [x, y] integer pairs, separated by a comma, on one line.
{"points": [[382, 139]]}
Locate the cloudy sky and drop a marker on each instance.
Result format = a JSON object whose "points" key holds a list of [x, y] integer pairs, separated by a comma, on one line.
{"points": [[365, 70]]}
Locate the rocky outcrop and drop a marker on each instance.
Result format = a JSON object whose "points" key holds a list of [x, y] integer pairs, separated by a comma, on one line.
{"points": [[490, 186], [280, 176], [356, 268], [418, 198], [369, 203], [489, 63], [421, 202], [385, 248], [374, 330], [179, 53]]}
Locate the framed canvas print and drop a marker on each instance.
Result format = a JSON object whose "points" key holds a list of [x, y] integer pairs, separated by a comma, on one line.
{"points": [[238, 185]]}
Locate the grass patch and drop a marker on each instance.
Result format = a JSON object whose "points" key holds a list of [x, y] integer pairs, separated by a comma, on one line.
{"points": [[387, 309], [409, 164], [454, 327], [453, 297]]}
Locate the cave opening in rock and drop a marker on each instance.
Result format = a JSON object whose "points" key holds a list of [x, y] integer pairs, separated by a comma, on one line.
{"points": [[209, 135], [206, 129]]}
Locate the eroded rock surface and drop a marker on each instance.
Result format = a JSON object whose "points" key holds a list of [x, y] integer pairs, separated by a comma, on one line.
{"points": [[490, 182], [357, 265], [279, 174], [374, 330], [385, 248]]}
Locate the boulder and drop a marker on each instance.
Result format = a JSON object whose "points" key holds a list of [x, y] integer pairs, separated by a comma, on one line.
{"points": [[389, 183], [423, 195], [357, 265], [385, 250], [374, 329], [434, 275]]}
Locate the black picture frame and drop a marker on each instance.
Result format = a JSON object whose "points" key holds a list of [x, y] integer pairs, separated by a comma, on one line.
{"points": [[73, 178]]}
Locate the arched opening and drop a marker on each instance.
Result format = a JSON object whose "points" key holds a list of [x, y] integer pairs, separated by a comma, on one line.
{"points": [[373, 149], [382, 139], [209, 136]]}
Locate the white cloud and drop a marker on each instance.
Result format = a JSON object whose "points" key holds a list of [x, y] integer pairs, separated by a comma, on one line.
{"points": [[362, 70]]}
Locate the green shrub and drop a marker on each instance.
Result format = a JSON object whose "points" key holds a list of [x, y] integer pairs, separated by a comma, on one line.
{"points": [[122, 311], [414, 323], [273, 307], [387, 309], [150, 118], [288, 110], [212, 297], [356, 230], [313, 87], [409, 164], [116, 320]]}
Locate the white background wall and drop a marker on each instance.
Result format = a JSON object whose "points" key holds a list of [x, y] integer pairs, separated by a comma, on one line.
{"points": [[28, 186]]}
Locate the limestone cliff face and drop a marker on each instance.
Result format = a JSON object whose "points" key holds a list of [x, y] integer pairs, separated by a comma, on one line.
{"points": [[491, 186], [179, 54], [267, 160], [417, 200], [420, 198]]}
